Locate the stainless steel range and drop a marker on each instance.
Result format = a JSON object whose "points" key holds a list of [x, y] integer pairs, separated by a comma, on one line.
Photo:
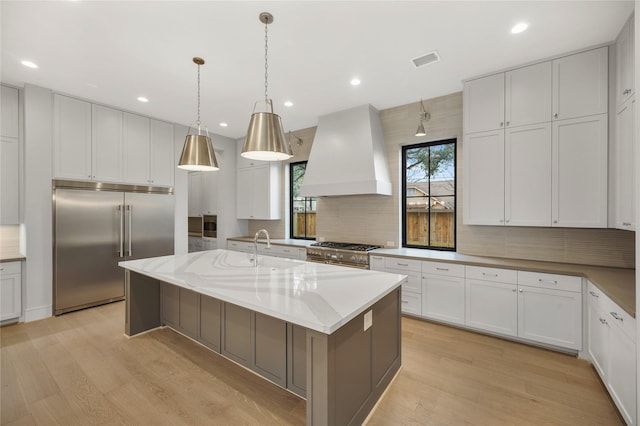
{"points": [[344, 254]]}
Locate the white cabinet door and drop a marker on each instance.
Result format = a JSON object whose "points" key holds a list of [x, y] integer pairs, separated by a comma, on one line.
{"points": [[484, 104], [210, 192], [162, 164], [625, 62], [528, 95], [411, 303], [550, 316], [258, 194], [106, 144], [10, 157], [376, 263], [579, 181], [580, 84], [483, 175], [492, 306], [195, 194], [625, 170], [10, 291], [244, 194], [622, 373], [443, 298], [598, 333], [9, 113], [136, 149], [71, 138], [527, 188]]}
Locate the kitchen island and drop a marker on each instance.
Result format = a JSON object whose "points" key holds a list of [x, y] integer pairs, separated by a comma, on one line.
{"points": [[327, 333]]}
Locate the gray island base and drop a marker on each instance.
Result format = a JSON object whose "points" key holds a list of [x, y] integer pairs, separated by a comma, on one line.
{"points": [[341, 373]]}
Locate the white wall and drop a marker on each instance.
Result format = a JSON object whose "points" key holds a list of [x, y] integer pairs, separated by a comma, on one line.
{"points": [[38, 170], [637, 146]]}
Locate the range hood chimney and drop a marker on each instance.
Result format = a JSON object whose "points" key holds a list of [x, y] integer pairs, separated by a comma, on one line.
{"points": [[347, 156]]}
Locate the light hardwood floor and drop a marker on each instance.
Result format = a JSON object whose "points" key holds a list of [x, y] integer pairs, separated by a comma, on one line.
{"points": [[80, 369]]}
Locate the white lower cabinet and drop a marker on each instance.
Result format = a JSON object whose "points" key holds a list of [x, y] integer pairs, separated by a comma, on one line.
{"points": [[492, 306], [443, 292], [612, 348], [412, 289], [10, 291]]}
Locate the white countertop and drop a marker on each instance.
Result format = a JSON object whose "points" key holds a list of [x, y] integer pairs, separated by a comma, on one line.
{"points": [[312, 295]]}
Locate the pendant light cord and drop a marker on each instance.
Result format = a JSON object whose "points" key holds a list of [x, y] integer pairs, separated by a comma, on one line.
{"points": [[198, 122], [266, 57]]}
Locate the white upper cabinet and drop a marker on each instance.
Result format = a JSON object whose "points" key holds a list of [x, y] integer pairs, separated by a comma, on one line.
{"points": [[10, 157], [580, 84], [625, 63], [483, 175], [195, 194], [10, 121], [162, 165], [258, 195], [484, 104], [579, 190], [527, 183], [106, 144], [71, 138], [136, 149], [528, 95], [210, 191], [95, 142], [625, 170]]}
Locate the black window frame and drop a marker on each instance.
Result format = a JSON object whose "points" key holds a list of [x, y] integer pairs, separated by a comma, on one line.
{"points": [[403, 221], [291, 204]]}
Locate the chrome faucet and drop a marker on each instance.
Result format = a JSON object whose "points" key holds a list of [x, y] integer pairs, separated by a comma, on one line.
{"points": [[255, 244]]}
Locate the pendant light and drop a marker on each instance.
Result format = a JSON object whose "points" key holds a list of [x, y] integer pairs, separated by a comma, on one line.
{"points": [[424, 116], [265, 138], [198, 153]]}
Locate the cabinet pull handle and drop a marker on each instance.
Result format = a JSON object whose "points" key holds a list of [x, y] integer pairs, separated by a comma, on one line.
{"points": [[489, 275], [405, 301], [501, 123], [594, 294], [541, 281], [626, 224], [555, 115], [603, 321], [514, 290], [508, 123], [616, 316], [555, 221], [521, 291], [402, 264], [442, 269]]}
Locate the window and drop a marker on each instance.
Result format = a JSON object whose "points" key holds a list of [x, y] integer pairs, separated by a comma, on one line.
{"points": [[303, 209], [429, 195]]}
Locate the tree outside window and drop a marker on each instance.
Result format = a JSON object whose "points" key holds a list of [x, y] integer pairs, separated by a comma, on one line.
{"points": [[429, 195], [303, 209]]}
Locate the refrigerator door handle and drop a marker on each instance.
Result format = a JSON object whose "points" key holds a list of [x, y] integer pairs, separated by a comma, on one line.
{"points": [[121, 239], [129, 210]]}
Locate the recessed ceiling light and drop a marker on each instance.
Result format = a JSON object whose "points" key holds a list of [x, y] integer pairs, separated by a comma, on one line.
{"points": [[519, 27], [143, 99], [288, 104], [223, 124], [355, 81], [29, 64]]}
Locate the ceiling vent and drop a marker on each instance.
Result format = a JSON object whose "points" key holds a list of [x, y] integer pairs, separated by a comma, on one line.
{"points": [[427, 59]]}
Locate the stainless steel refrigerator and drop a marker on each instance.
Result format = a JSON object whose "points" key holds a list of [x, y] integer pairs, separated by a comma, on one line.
{"points": [[97, 225]]}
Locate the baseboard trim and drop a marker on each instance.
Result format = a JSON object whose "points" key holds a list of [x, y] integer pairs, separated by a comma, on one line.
{"points": [[38, 313]]}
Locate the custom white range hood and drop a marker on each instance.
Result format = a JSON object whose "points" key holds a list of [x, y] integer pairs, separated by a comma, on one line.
{"points": [[347, 156]]}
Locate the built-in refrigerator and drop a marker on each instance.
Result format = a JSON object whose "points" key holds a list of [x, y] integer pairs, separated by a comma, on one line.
{"points": [[97, 225]]}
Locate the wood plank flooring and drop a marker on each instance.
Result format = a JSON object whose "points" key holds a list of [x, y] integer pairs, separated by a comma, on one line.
{"points": [[79, 368]]}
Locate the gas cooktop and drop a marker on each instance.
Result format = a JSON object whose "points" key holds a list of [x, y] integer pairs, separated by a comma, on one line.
{"points": [[345, 246]]}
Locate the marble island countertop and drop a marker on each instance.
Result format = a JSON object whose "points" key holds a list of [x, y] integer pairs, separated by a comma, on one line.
{"points": [[312, 295]]}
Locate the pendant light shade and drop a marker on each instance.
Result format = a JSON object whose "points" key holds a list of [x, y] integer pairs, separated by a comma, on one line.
{"points": [[265, 135], [424, 116], [265, 138], [197, 152]]}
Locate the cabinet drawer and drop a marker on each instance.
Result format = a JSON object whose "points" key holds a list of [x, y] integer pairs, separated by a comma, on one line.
{"points": [[440, 268], [617, 315], [402, 264], [554, 281], [596, 297], [411, 303], [7, 268], [491, 274]]}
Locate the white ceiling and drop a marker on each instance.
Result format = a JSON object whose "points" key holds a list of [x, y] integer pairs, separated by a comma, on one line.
{"points": [[114, 51]]}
